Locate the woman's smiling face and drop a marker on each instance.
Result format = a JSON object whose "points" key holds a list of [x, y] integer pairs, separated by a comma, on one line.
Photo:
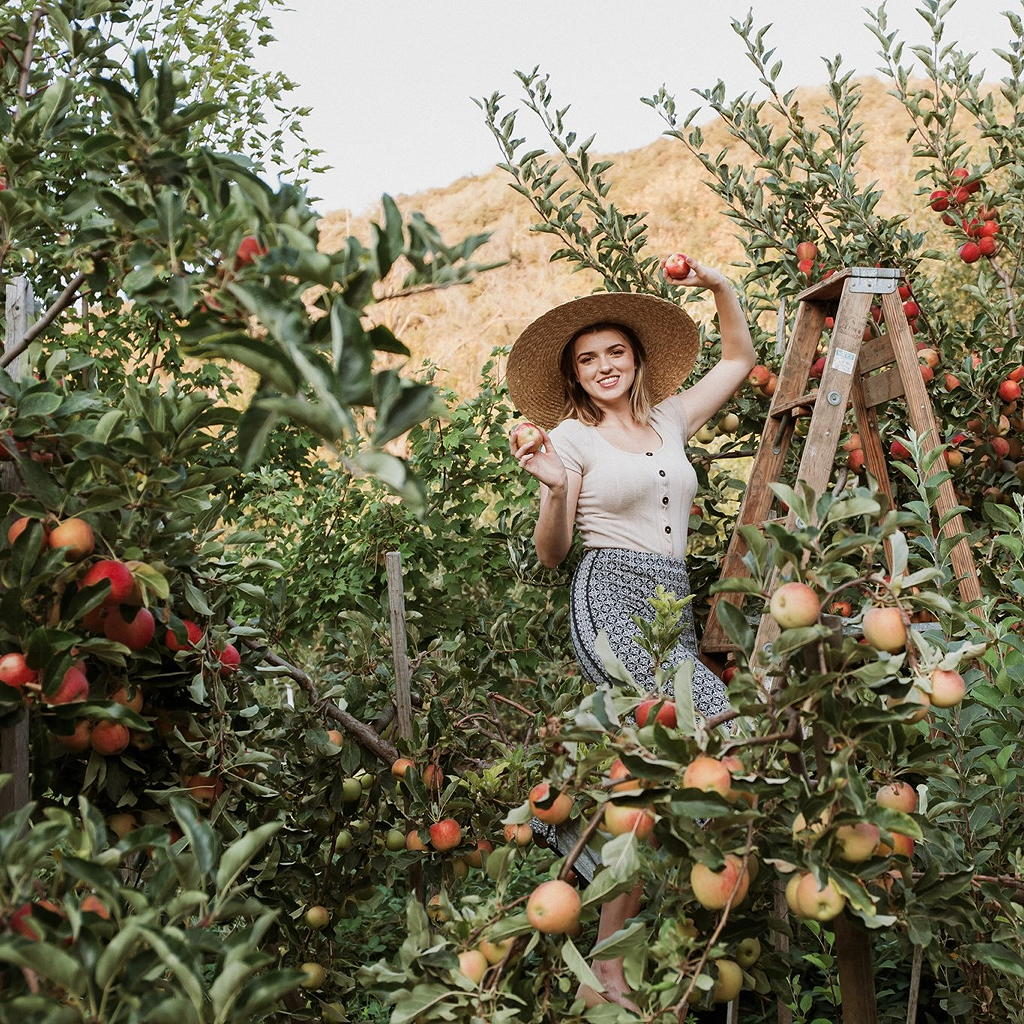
{"points": [[605, 365]]}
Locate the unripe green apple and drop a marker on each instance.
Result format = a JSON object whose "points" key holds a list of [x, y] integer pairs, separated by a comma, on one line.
{"points": [[315, 974], [748, 952], [351, 790], [728, 983], [318, 917]]}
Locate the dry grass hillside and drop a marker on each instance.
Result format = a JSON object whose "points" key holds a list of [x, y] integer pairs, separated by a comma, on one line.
{"points": [[458, 327]]}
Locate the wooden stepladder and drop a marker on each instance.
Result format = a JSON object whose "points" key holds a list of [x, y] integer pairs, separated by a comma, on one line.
{"points": [[858, 372]]}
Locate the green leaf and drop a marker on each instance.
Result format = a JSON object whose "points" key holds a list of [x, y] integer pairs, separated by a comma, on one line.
{"points": [[49, 961], [998, 956], [202, 839], [238, 855], [574, 961], [626, 940], [620, 857]]}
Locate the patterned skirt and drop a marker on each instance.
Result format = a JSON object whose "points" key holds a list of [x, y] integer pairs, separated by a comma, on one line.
{"points": [[610, 586]]}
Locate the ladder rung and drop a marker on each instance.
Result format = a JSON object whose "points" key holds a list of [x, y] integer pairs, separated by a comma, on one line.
{"points": [[881, 387], [782, 408]]}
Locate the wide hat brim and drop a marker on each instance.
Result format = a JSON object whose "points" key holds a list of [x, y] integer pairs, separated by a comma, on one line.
{"points": [[669, 337]]}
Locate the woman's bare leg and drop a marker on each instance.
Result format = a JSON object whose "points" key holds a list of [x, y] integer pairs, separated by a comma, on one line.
{"points": [[614, 914]]}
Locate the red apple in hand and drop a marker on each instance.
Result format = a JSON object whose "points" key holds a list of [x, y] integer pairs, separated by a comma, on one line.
{"points": [[676, 267], [526, 434]]}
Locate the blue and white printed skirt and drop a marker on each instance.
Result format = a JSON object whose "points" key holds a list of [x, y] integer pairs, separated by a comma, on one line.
{"points": [[609, 586]]}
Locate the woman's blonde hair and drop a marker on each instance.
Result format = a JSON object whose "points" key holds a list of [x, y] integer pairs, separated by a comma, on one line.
{"points": [[578, 404]]}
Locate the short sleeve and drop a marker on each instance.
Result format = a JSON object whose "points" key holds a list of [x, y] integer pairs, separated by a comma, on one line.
{"points": [[674, 409], [568, 449]]}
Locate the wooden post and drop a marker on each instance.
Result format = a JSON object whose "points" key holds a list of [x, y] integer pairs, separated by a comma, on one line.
{"points": [[856, 970], [14, 759], [399, 648]]}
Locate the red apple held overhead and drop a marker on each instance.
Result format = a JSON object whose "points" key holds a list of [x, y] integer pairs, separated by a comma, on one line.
{"points": [[14, 671], [676, 267]]}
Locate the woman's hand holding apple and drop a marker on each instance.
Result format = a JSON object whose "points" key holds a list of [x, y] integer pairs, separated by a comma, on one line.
{"points": [[539, 460]]}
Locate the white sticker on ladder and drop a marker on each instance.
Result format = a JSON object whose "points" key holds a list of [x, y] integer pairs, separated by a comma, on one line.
{"points": [[843, 360]]}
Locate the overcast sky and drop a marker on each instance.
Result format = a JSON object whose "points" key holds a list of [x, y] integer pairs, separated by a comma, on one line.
{"points": [[391, 81]]}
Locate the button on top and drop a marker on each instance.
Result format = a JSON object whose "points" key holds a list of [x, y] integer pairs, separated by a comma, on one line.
{"points": [[664, 501], [668, 529], [661, 472], [648, 453]]}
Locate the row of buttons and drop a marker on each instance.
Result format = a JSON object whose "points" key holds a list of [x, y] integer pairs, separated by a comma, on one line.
{"points": [[664, 501]]}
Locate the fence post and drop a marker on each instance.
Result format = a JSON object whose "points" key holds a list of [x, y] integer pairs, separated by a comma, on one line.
{"points": [[14, 755], [399, 644]]}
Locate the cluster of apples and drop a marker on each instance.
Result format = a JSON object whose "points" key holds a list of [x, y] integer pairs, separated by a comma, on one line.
{"points": [[763, 380], [806, 254], [122, 618], [443, 835], [981, 228], [794, 605], [725, 426]]}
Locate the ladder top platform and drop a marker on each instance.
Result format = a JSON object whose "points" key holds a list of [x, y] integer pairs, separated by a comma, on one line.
{"points": [[832, 287]]}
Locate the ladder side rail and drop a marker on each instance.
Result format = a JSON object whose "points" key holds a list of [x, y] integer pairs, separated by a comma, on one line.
{"points": [[922, 419]]}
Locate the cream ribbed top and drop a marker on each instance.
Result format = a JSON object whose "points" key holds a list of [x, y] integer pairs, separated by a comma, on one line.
{"points": [[636, 500]]}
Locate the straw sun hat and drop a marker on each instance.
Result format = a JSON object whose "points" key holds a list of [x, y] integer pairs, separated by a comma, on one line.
{"points": [[668, 335]]}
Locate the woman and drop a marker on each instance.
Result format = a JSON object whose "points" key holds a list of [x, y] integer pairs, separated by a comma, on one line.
{"points": [[599, 376]]}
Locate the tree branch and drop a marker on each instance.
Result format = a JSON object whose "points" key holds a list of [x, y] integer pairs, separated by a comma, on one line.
{"points": [[64, 300], [26, 57], [362, 733]]}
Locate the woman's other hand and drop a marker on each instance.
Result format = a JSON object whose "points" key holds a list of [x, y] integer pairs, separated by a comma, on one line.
{"points": [[539, 459]]}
